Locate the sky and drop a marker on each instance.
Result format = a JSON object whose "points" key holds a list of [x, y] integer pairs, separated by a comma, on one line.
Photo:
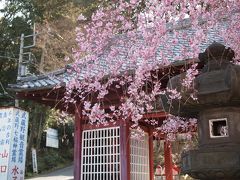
{"points": [[2, 3]]}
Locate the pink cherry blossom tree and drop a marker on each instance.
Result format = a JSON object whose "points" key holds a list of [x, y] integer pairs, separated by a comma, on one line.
{"points": [[127, 44]]}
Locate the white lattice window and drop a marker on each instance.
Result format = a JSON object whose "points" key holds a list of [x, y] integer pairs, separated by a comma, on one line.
{"points": [[140, 158], [101, 154]]}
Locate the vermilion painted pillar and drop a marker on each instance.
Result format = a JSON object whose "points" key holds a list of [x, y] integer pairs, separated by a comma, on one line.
{"points": [[168, 160], [125, 151], [77, 144], [151, 152]]}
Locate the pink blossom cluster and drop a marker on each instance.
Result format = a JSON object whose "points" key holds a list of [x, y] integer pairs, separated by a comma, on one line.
{"points": [[187, 82], [173, 93], [137, 133], [174, 124], [190, 76], [121, 46]]}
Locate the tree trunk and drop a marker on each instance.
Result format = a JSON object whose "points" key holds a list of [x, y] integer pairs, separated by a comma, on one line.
{"points": [[40, 130], [30, 144]]}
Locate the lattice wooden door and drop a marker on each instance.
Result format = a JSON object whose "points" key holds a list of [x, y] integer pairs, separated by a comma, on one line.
{"points": [[101, 154], [140, 158]]}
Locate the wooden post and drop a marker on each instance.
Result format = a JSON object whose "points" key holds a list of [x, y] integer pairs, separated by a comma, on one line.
{"points": [[168, 160], [151, 152], [77, 144], [125, 151]]}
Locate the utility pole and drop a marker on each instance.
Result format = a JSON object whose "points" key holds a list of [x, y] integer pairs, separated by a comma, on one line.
{"points": [[22, 64], [20, 60]]}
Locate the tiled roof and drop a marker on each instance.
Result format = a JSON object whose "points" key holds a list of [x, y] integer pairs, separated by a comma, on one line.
{"points": [[61, 77]]}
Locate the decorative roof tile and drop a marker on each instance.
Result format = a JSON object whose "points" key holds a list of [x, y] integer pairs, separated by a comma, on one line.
{"points": [[62, 76]]}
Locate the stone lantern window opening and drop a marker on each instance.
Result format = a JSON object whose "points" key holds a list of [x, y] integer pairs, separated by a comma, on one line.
{"points": [[218, 128]]}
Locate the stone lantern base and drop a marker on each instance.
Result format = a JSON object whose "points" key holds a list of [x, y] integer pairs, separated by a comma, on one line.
{"points": [[218, 156], [212, 164]]}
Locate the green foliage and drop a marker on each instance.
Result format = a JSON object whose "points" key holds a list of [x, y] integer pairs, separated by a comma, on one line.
{"points": [[52, 158], [64, 124], [19, 16], [89, 6], [49, 159], [39, 10], [42, 117], [10, 31]]}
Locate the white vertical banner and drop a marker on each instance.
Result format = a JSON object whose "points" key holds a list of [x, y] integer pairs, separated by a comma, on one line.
{"points": [[5, 136], [34, 160], [52, 138], [13, 142]]}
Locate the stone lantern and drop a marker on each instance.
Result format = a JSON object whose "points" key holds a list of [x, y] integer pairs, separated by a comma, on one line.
{"points": [[218, 111]]}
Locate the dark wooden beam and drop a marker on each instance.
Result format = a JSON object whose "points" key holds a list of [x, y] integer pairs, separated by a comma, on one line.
{"points": [[88, 126], [159, 114]]}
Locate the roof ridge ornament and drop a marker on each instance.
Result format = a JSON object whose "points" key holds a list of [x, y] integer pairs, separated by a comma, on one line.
{"points": [[216, 57], [216, 51]]}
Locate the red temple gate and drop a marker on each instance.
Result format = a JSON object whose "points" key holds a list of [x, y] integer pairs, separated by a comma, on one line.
{"points": [[104, 152]]}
